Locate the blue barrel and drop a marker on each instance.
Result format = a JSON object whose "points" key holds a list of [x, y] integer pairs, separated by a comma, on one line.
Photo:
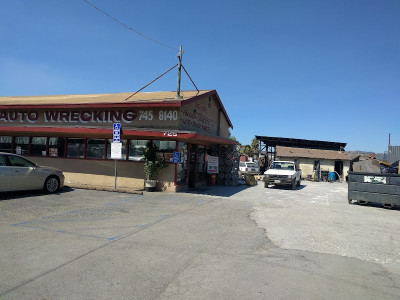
{"points": [[332, 176]]}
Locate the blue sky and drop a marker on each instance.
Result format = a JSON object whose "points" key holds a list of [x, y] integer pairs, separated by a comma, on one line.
{"points": [[310, 69]]}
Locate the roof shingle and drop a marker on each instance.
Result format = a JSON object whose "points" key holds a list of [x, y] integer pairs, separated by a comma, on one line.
{"points": [[311, 153]]}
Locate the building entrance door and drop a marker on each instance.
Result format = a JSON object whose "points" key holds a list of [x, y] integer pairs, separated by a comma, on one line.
{"points": [[192, 165], [338, 168]]}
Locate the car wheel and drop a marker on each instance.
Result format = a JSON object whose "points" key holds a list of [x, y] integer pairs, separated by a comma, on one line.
{"points": [[298, 183], [294, 185], [52, 184]]}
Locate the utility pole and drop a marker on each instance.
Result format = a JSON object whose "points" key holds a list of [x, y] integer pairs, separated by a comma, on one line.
{"points": [[178, 90]]}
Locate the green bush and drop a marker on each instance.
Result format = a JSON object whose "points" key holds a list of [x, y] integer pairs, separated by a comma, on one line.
{"points": [[152, 165]]}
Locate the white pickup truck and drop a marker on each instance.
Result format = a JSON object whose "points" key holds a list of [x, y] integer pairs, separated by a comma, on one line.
{"points": [[283, 173]]}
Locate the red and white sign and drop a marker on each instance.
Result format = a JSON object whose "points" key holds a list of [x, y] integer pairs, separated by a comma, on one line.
{"points": [[212, 165]]}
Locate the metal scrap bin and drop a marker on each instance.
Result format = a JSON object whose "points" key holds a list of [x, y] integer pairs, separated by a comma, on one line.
{"points": [[324, 175], [374, 187]]}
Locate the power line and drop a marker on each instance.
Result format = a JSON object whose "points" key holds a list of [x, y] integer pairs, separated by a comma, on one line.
{"points": [[130, 28]]}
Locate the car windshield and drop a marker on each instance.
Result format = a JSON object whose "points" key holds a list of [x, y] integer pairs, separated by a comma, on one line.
{"points": [[282, 165]]}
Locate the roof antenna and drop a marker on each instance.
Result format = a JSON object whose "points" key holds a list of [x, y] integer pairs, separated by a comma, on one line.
{"points": [[178, 90]]}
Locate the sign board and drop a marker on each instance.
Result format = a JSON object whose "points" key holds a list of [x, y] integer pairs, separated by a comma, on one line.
{"points": [[116, 150], [168, 157], [116, 132], [176, 157], [212, 165], [375, 179]]}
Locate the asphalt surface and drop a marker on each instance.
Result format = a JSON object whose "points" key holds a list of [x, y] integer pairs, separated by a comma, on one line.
{"points": [[217, 243]]}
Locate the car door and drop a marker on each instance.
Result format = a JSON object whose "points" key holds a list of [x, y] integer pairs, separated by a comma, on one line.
{"points": [[5, 174], [24, 173]]}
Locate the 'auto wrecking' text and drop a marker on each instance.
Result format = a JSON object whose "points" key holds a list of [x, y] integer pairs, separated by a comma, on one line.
{"points": [[62, 116]]}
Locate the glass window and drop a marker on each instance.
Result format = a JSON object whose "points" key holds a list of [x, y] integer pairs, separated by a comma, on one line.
{"points": [[136, 149], [6, 144], [123, 154], [38, 146], [95, 148], [20, 162], [21, 145], [182, 166], [166, 149], [165, 146], [3, 161], [56, 147], [76, 148]]}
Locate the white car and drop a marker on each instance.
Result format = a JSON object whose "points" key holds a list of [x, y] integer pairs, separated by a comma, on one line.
{"points": [[248, 167], [18, 173]]}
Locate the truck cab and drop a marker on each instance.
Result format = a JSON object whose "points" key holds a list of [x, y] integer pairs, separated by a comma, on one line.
{"points": [[283, 173]]}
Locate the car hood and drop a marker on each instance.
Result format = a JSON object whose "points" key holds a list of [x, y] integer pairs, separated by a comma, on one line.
{"points": [[49, 169], [279, 172]]}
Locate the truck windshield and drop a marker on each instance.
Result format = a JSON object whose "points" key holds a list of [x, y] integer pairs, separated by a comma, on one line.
{"points": [[282, 165]]}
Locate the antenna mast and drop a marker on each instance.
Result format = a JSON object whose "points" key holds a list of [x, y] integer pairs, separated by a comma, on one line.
{"points": [[178, 90]]}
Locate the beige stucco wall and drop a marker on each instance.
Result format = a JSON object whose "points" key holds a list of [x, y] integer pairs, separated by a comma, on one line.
{"points": [[224, 130], [100, 173], [307, 166], [202, 116]]}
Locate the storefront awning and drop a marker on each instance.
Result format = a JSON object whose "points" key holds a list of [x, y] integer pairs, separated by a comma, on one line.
{"points": [[87, 132]]}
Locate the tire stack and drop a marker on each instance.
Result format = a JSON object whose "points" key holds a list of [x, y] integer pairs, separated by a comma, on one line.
{"points": [[228, 165]]}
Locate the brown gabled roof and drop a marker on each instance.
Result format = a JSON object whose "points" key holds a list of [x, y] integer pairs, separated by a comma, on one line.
{"points": [[311, 153], [110, 100], [153, 97]]}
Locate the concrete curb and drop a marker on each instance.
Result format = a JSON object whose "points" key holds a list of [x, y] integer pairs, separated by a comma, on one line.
{"points": [[106, 188]]}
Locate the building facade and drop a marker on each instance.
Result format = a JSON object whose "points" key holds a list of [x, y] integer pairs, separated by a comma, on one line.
{"points": [[315, 162], [74, 133]]}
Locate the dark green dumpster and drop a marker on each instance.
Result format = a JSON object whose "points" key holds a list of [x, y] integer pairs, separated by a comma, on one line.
{"points": [[374, 187]]}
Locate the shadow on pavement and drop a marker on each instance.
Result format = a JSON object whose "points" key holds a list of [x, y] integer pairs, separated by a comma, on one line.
{"points": [[375, 205], [221, 191], [286, 187], [27, 194]]}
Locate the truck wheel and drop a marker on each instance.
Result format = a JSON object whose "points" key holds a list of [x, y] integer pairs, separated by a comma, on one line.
{"points": [[294, 185], [388, 205]]}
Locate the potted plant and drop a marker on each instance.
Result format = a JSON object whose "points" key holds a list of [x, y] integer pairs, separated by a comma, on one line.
{"points": [[152, 166]]}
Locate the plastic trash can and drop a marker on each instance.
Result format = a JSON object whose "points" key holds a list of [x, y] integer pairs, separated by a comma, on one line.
{"points": [[332, 176]]}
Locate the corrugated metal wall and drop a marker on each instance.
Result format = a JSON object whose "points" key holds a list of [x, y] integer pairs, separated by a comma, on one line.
{"points": [[393, 154]]}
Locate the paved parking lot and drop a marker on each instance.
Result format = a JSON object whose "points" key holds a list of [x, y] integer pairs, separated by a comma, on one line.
{"points": [[225, 243], [318, 218]]}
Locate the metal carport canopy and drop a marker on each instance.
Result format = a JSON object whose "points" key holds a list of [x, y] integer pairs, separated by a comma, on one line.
{"points": [[300, 143]]}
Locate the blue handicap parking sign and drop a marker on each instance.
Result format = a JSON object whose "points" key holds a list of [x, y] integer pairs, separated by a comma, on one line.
{"points": [[176, 157], [117, 126], [116, 132]]}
